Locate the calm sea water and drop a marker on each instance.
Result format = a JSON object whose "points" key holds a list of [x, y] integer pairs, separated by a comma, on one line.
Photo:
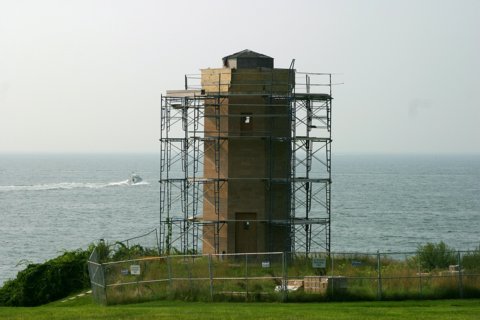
{"points": [[51, 203]]}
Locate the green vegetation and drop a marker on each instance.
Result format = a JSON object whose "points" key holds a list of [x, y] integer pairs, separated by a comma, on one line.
{"points": [[471, 260], [54, 279], [436, 256], [123, 252], [49, 281], [83, 308], [240, 278]]}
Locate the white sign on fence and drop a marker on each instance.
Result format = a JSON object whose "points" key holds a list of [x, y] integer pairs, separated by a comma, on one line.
{"points": [[319, 263], [135, 269]]}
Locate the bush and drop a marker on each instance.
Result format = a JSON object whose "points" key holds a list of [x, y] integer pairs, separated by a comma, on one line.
{"points": [[107, 252], [123, 252], [42, 283], [471, 260], [435, 256]]}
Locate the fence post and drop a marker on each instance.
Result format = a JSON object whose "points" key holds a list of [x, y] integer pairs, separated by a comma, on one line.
{"points": [[379, 282], [158, 242], [104, 282], [332, 265], [419, 272], [460, 280], [246, 277], [169, 268], [285, 276], [210, 273], [190, 275]]}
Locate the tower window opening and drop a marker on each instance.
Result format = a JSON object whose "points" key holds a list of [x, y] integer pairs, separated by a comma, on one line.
{"points": [[246, 122]]}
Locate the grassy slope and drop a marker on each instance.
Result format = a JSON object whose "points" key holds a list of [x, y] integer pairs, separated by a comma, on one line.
{"points": [[83, 308]]}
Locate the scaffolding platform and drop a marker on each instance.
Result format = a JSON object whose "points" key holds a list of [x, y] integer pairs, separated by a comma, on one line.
{"points": [[185, 140]]}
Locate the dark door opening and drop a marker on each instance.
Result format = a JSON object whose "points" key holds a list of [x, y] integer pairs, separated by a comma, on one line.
{"points": [[245, 232]]}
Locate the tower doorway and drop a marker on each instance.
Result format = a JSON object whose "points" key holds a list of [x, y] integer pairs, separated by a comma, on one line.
{"points": [[245, 232]]}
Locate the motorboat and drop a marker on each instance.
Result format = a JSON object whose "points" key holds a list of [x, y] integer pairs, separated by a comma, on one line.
{"points": [[134, 179]]}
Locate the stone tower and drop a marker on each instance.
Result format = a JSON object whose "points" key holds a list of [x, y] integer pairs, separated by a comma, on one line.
{"points": [[247, 161]]}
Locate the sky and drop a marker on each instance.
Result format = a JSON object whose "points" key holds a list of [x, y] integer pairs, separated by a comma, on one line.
{"points": [[87, 76]]}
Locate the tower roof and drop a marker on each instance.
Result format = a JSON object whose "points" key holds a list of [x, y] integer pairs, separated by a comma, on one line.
{"points": [[246, 54], [247, 59]]}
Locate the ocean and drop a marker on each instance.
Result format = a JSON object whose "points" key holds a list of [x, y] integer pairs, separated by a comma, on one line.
{"points": [[393, 203]]}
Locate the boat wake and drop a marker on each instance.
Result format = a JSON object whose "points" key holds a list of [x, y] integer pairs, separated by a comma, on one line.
{"points": [[69, 186]]}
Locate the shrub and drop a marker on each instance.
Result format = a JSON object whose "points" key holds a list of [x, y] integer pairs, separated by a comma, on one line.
{"points": [[103, 250], [471, 260], [46, 282], [435, 256], [123, 252]]}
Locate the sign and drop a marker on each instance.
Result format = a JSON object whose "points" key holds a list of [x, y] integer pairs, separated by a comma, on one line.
{"points": [[319, 263], [356, 263], [124, 272], [135, 269], [266, 264]]}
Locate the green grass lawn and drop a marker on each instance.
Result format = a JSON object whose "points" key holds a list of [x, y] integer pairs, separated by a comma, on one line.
{"points": [[84, 308]]}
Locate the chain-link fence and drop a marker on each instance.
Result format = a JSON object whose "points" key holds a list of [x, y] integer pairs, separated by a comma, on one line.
{"points": [[97, 278], [280, 277], [191, 277]]}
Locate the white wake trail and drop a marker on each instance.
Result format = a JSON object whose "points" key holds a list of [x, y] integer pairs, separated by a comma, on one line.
{"points": [[69, 186]]}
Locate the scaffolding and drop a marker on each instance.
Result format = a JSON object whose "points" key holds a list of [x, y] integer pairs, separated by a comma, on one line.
{"points": [[185, 140]]}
